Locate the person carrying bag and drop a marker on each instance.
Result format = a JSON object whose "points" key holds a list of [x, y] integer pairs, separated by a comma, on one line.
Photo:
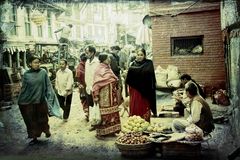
{"points": [[95, 115]]}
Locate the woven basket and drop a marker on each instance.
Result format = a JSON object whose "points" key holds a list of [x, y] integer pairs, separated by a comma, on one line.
{"points": [[135, 150]]}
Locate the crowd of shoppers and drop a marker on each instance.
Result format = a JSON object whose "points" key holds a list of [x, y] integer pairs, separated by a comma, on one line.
{"points": [[101, 78]]}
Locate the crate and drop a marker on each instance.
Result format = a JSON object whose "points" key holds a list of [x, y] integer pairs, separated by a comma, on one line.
{"points": [[16, 89], [181, 150], [7, 92]]}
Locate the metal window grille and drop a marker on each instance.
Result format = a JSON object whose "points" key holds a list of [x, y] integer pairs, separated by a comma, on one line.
{"points": [[192, 45]]}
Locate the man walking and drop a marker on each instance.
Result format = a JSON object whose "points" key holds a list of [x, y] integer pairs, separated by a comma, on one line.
{"points": [[90, 67], [64, 87]]}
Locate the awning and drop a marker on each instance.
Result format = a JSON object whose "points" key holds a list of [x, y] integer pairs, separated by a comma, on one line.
{"points": [[12, 49]]}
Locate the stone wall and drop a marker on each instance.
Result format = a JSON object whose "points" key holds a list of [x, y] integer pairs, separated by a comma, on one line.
{"points": [[235, 84], [230, 22]]}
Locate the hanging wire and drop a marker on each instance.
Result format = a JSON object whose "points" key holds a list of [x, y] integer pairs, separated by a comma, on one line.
{"points": [[174, 15]]}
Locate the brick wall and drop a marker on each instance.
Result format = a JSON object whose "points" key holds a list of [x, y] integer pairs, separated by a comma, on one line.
{"points": [[207, 69]]}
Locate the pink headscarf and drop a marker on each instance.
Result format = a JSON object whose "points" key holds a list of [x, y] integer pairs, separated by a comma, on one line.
{"points": [[102, 77]]}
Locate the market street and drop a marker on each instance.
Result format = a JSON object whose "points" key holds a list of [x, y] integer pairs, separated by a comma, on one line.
{"points": [[72, 140]]}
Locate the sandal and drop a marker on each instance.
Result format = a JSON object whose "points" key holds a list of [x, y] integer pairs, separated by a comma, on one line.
{"points": [[48, 134], [91, 129], [34, 141], [99, 137], [111, 135]]}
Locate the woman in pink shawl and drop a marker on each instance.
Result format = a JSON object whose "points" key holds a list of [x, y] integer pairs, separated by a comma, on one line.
{"points": [[105, 94]]}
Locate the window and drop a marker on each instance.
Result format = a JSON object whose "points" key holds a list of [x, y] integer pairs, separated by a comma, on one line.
{"points": [[13, 19], [40, 31], [27, 23], [49, 21], [187, 45]]}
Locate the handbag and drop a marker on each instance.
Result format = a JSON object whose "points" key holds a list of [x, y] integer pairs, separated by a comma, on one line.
{"points": [[95, 115]]}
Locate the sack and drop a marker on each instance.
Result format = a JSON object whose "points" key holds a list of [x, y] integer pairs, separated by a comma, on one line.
{"points": [[173, 73], [174, 83], [220, 97], [193, 133], [95, 115], [161, 76]]}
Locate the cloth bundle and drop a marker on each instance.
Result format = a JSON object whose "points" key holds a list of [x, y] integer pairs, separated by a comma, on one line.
{"points": [[193, 133]]}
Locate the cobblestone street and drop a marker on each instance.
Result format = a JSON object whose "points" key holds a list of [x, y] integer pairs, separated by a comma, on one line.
{"points": [[72, 140]]}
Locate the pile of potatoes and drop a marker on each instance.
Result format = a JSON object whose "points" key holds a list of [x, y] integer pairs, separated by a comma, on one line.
{"points": [[132, 138], [135, 124]]}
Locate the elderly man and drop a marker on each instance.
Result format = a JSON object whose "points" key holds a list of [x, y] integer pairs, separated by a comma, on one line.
{"points": [[200, 113]]}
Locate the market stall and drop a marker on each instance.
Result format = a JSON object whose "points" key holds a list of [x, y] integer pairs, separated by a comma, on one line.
{"points": [[140, 138]]}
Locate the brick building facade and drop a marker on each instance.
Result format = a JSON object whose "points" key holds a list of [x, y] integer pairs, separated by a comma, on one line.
{"points": [[192, 24]]}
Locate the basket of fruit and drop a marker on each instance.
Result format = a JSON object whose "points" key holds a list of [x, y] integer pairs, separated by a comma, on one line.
{"points": [[135, 124], [134, 145]]}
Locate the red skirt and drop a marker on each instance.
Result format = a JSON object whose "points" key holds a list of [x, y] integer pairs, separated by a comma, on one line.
{"points": [[139, 105]]}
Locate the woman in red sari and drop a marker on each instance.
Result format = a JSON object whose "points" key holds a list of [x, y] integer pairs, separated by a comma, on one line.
{"points": [[141, 81], [105, 93]]}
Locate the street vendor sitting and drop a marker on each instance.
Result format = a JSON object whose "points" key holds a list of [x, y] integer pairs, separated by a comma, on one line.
{"points": [[182, 100], [200, 113], [186, 79]]}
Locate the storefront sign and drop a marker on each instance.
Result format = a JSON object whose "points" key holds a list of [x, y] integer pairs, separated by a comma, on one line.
{"points": [[38, 18]]}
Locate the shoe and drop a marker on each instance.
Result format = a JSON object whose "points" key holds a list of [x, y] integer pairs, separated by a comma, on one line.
{"points": [[48, 135], [33, 142], [154, 115], [92, 129], [65, 120], [99, 137], [86, 119]]}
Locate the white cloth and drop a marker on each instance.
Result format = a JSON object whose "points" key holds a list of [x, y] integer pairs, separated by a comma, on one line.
{"points": [[196, 108], [64, 81], [90, 68], [179, 125]]}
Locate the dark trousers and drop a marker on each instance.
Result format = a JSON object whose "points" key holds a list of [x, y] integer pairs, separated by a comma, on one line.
{"points": [[90, 100], [66, 107]]}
